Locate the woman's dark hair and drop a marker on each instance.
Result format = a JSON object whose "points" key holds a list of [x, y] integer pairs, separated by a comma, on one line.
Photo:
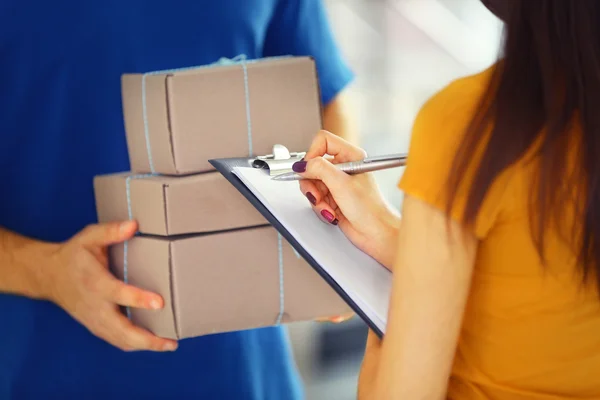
{"points": [[544, 96]]}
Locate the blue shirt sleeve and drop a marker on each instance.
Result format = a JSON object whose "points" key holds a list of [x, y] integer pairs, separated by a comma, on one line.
{"points": [[301, 28]]}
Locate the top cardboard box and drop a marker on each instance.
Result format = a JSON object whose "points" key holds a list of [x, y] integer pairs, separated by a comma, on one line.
{"points": [[176, 121]]}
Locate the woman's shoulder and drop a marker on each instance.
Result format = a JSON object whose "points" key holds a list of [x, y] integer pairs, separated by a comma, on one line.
{"points": [[453, 107], [444, 118], [437, 133]]}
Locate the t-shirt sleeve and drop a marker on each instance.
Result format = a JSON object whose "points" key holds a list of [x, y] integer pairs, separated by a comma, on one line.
{"points": [[436, 136], [301, 28]]}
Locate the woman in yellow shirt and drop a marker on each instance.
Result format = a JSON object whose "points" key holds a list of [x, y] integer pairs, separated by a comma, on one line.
{"points": [[496, 257]]}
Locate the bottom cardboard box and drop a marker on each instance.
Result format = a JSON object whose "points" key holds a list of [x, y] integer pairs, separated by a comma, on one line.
{"points": [[222, 282]]}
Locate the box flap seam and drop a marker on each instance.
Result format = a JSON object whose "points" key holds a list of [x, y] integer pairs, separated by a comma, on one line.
{"points": [[168, 101], [166, 208], [172, 289]]}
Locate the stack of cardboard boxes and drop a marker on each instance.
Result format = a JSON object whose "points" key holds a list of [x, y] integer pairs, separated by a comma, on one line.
{"points": [[214, 259]]}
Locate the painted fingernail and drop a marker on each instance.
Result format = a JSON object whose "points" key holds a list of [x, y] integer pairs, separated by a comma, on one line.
{"points": [[311, 198], [329, 217], [299, 166]]}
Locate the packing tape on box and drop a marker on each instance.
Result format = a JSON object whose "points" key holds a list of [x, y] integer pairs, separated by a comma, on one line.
{"points": [[126, 251], [126, 243], [240, 59]]}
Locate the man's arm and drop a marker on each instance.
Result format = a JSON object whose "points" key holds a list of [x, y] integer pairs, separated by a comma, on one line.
{"points": [[21, 262], [75, 276], [301, 28], [337, 118]]}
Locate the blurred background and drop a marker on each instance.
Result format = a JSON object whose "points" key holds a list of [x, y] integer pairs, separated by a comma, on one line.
{"points": [[402, 52]]}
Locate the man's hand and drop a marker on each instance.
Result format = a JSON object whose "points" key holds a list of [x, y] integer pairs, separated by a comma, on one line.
{"points": [[338, 319], [79, 281]]}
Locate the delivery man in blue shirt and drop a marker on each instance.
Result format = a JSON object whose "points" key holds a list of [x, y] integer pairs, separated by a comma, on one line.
{"points": [[61, 335]]}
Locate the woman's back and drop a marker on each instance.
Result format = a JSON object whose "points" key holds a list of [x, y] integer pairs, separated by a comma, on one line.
{"points": [[531, 330]]}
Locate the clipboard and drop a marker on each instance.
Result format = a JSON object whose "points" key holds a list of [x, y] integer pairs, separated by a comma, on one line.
{"points": [[281, 161]]}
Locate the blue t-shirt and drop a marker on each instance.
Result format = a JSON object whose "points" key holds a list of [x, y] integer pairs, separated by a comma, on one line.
{"points": [[61, 123]]}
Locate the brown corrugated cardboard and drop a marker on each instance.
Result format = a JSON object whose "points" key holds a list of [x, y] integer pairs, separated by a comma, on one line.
{"points": [[202, 113], [169, 205], [223, 282]]}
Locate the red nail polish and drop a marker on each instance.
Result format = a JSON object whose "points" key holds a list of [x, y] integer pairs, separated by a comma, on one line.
{"points": [[299, 166], [311, 198], [329, 217]]}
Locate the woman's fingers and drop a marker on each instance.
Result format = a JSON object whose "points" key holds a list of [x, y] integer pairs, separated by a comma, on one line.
{"points": [[324, 183], [331, 201], [324, 175], [322, 188], [320, 200], [327, 213], [327, 143], [311, 191], [324, 171], [315, 191]]}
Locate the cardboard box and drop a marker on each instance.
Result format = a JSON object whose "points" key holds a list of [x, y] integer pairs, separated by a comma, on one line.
{"points": [[169, 205], [223, 282], [219, 111]]}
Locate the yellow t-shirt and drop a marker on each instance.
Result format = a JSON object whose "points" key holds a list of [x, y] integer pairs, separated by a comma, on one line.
{"points": [[530, 331]]}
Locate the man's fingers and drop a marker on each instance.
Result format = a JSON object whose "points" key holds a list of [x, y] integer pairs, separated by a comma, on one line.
{"points": [[337, 319], [327, 143], [107, 233], [131, 337], [130, 296]]}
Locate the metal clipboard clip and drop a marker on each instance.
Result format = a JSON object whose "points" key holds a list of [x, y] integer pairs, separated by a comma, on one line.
{"points": [[279, 162]]}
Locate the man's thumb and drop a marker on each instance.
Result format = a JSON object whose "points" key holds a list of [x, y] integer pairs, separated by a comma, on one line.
{"points": [[108, 233]]}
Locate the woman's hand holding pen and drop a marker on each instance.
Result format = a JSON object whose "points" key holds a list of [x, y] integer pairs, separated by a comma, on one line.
{"points": [[353, 202]]}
